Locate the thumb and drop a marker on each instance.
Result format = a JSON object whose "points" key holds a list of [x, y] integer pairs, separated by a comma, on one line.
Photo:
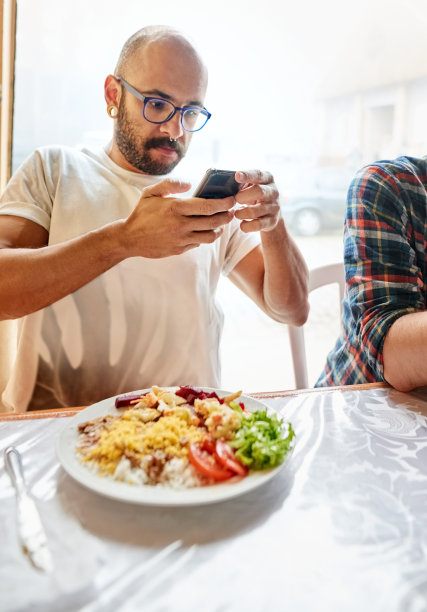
{"points": [[166, 187]]}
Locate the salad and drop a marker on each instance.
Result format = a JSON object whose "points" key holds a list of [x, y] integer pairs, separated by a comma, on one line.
{"points": [[182, 437]]}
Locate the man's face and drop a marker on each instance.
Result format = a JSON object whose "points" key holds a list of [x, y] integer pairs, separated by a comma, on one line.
{"points": [[151, 155], [164, 69]]}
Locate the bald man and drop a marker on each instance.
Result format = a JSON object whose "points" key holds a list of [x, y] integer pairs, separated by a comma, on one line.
{"points": [[113, 274]]}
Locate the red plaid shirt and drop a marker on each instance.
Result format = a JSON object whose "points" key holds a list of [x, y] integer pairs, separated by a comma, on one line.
{"points": [[385, 239]]}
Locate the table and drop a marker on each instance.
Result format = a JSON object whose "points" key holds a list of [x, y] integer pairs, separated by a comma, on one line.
{"points": [[341, 528]]}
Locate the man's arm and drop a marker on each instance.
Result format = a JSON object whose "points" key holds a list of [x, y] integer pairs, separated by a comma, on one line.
{"points": [[405, 352], [34, 275], [275, 274], [384, 260]]}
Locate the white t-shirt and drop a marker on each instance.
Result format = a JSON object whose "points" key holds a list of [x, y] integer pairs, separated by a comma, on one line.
{"points": [[144, 322]]}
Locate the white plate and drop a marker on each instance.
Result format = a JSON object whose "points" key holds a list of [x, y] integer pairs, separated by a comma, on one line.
{"points": [[152, 495]]}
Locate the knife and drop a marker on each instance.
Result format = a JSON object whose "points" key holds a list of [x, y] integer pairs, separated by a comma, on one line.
{"points": [[30, 528]]}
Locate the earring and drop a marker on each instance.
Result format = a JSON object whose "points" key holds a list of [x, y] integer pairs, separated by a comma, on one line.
{"points": [[112, 110]]}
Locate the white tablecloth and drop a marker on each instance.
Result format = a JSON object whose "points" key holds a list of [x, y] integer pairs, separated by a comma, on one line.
{"points": [[343, 527]]}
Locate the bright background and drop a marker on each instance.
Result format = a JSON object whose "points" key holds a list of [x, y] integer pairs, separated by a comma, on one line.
{"points": [[310, 91]]}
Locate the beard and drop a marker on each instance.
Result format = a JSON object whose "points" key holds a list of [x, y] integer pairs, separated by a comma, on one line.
{"points": [[136, 150]]}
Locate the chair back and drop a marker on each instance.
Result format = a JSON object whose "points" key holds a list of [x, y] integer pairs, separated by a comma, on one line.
{"points": [[320, 276]]}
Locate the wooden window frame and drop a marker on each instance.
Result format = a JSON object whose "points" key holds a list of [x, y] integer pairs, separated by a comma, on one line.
{"points": [[7, 77]]}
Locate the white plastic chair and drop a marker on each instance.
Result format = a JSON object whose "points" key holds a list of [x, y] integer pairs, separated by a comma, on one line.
{"points": [[323, 275]]}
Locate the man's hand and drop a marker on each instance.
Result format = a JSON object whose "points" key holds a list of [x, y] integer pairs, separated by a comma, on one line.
{"points": [[258, 201], [163, 225], [32, 273], [275, 274]]}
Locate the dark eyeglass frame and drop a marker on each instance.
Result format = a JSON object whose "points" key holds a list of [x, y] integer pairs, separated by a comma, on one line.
{"points": [[182, 109]]}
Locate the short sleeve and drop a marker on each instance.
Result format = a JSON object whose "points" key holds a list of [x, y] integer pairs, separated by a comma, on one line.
{"points": [[29, 193], [238, 246]]}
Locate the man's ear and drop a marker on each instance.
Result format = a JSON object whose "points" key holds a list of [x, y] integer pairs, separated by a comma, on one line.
{"points": [[112, 91]]}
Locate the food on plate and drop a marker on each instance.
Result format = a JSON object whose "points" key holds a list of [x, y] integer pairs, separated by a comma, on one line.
{"points": [[182, 437]]}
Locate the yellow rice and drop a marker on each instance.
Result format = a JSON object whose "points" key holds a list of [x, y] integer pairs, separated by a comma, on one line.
{"points": [[128, 435]]}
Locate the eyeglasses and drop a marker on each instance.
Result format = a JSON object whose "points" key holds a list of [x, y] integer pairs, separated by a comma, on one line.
{"points": [[158, 110]]}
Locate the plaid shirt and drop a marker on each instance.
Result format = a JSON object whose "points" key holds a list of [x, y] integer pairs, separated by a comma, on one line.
{"points": [[385, 239]]}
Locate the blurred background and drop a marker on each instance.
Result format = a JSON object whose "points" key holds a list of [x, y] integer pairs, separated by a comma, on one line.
{"points": [[310, 91]]}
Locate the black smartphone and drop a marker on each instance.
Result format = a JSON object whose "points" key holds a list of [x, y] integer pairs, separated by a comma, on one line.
{"points": [[217, 184]]}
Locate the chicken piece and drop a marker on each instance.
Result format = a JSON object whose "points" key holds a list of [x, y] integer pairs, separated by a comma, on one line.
{"points": [[181, 412], [168, 397], [149, 400], [206, 406], [223, 423], [141, 414]]}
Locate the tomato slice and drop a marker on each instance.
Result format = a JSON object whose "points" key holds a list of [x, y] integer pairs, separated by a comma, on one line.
{"points": [[227, 458], [209, 444], [207, 464]]}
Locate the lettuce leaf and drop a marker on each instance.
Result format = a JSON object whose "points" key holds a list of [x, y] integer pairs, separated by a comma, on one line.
{"points": [[261, 442]]}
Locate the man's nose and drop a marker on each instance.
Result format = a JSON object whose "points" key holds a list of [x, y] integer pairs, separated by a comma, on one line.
{"points": [[173, 127]]}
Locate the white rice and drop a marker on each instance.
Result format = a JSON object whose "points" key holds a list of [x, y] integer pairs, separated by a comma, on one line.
{"points": [[177, 473]]}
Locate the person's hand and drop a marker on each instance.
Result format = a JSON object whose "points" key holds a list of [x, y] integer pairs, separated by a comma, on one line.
{"points": [[258, 201], [162, 225]]}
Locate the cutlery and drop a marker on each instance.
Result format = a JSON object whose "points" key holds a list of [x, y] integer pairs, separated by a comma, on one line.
{"points": [[30, 528]]}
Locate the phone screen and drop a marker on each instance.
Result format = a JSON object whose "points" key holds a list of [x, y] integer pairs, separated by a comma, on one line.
{"points": [[217, 184]]}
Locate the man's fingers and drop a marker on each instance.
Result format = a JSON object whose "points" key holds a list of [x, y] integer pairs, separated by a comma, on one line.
{"points": [[166, 187], [207, 237], [256, 177], [259, 209], [205, 207], [252, 212], [256, 225], [209, 222], [258, 193]]}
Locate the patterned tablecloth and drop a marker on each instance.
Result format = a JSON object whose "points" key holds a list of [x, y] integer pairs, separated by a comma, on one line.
{"points": [[342, 528]]}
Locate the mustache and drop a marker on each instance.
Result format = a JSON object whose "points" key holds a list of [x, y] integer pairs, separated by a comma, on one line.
{"points": [[153, 143]]}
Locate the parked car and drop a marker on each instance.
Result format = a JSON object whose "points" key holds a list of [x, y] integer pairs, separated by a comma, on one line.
{"points": [[319, 207]]}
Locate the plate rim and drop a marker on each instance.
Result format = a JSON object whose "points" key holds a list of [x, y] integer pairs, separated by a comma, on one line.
{"points": [[147, 494]]}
